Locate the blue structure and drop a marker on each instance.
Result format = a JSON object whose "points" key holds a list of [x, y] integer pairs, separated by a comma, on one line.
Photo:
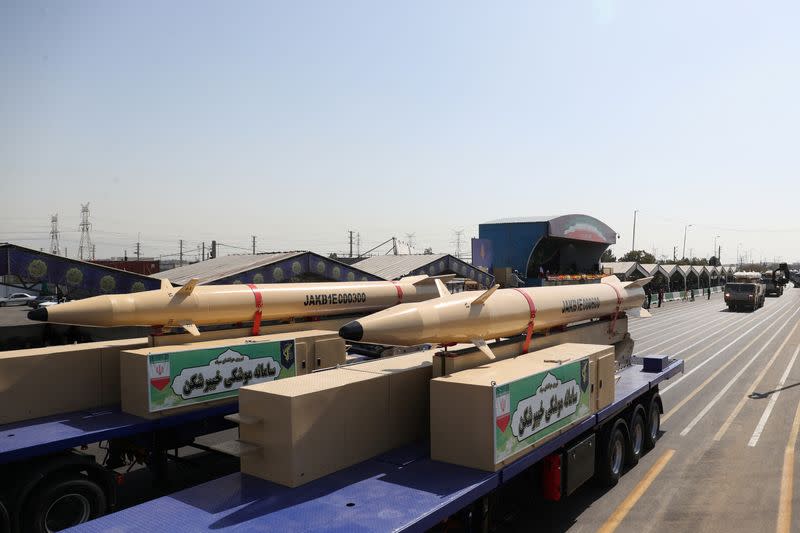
{"points": [[568, 244], [28, 269]]}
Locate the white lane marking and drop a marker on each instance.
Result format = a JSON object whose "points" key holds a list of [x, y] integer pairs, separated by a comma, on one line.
{"points": [[727, 387], [683, 334], [645, 324], [732, 359], [724, 427], [721, 350], [771, 404]]}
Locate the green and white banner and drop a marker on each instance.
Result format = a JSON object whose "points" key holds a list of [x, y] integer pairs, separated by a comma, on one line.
{"points": [[529, 409], [193, 376]]}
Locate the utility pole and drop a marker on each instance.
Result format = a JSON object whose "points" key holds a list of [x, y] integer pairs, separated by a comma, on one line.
{"points": [[93, 248], [674, 254], [86, 237], [254, 244], [54, 247], [138, 246], [213, 250], [686, 227], [203, 254], [394, 245], [350, 232], [358, 244], [633, 240], [180, 260], [410, 241]]}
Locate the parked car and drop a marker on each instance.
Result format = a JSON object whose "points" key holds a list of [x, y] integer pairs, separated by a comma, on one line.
{"points": [[43, 301], [18, 298]]}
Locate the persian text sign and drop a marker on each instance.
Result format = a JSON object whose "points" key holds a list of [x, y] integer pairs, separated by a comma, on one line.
{"points": [[194, 376], [531, 408]]}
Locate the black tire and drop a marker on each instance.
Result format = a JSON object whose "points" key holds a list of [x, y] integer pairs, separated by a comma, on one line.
{"points": [[653, 423], [637, 428], [612, 454], [64, 502]]}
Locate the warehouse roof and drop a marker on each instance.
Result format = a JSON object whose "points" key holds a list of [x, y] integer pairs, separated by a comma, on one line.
{"points": [[273, 267], [396, 266]]}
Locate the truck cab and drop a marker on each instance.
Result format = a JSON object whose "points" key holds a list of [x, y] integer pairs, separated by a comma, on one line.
{"points": [[746, 292]]}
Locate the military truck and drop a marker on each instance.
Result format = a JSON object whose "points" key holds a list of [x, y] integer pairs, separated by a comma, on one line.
{"points": [[746, 292]]}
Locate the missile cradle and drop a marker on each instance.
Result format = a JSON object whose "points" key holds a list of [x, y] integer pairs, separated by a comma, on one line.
{"points": [[496, 313], [192, 305]]}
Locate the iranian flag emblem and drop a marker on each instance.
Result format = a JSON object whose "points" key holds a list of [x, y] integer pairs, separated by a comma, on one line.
{"points": [[502, 410], [159, 372]]}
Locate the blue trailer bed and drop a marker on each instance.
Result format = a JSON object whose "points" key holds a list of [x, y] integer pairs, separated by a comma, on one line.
{"points": [[40, 436], [403, 490]]}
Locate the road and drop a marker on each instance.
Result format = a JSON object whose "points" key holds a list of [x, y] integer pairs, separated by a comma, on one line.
{"points": [[727, 459]]}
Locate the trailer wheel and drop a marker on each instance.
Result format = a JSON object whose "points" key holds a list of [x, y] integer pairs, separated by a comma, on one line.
{"points": [[653, 422], [612, 454], [638, 431], [64, 502]]}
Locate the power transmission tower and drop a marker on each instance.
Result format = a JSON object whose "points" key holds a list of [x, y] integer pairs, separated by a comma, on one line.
{"points": [[180, 256], [138, 246], [459, 234], [358, 244], [254, 244], [410, 241], [350, 232], [86, 237], [55, 249]]}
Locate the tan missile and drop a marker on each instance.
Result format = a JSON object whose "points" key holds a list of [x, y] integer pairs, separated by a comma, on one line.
{"points": [[192, 305], [476, 317]]}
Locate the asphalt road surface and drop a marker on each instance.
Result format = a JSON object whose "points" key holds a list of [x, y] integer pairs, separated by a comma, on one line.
{"points": [[728, 457]]}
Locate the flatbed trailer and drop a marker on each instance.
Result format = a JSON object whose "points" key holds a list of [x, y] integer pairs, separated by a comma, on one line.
{"points": [[403, 490], [40, 460]]}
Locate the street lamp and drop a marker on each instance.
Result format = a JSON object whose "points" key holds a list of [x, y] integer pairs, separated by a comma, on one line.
{"points": [[633, 240], [738, 257], [714, 251], [686, 227]]}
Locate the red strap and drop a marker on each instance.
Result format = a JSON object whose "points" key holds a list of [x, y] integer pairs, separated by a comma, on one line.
{"points": [[399, 292], [532, 307], [613, 329], [259, 306]]}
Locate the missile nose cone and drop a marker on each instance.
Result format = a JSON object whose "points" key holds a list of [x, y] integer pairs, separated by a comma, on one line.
{"points": [[352, 331], [39, 314]]}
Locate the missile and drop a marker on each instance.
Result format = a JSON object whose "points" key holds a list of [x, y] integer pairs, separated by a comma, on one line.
{"points": [[191, 305], [468, 317]]}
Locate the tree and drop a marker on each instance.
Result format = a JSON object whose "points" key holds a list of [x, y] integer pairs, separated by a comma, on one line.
{"points": [[428, 251], [713, 261], [638, 256], [608, 256], [333, 255]]}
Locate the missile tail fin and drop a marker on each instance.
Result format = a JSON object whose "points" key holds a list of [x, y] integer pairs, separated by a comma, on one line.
{"points": [[639, 312], [611, 280], [191, 328], [428, 280], [441, 288], [485, 295], [637, 283], [166, 285], [482, 346], [187, 289]]}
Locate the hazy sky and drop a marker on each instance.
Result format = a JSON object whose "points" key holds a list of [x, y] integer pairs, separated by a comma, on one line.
{"points": [[298, 121]]}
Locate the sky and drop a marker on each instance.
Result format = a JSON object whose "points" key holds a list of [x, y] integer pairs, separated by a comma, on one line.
{"points": [[299, 121]]}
